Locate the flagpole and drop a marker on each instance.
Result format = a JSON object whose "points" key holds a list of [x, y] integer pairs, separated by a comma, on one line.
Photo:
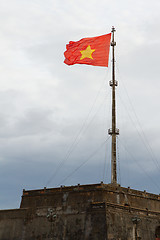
{"points": [[113, 131]]}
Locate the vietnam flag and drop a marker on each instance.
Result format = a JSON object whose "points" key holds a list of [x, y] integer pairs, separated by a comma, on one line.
{"points": [[91, 51]]}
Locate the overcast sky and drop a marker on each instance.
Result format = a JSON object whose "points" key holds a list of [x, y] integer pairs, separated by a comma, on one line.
{"points": [[54, 118]]}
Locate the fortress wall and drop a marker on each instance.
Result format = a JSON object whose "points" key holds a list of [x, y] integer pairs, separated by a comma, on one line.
{"points": [[88, 212]]}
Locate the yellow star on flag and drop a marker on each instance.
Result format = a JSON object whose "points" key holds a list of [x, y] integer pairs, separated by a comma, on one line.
{"points": [[87, 53]]}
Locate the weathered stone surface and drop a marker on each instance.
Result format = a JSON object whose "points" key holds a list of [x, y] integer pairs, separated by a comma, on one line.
{"points": [[88, 212]]}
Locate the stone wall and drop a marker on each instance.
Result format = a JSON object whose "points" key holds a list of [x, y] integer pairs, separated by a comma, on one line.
{"points": [[89, 212]]}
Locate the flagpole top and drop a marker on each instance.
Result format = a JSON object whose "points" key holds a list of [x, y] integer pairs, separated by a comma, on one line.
{"points": [[113, 29], [113, 43]]}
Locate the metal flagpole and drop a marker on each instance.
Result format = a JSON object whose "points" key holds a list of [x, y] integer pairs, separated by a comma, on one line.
{"points": [[113, 131]]}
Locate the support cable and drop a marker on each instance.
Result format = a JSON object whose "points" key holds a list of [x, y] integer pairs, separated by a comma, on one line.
{"points": [[77, 168], [77, 137], [141, 167], [142, 136], [118, 160]]}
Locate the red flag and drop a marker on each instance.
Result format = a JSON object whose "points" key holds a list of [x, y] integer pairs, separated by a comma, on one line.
{"points": [[91, 51]]}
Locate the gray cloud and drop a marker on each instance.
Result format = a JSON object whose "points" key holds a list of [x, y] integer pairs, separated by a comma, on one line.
{"points": [[53, 115]]}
